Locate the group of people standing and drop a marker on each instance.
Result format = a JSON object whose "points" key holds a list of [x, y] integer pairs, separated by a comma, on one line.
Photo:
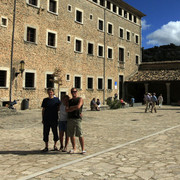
{"points": [[70, 117], [151, 100], [95, 105]]}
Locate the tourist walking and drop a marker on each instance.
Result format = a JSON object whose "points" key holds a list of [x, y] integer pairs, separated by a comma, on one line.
{"points": [[74, 121], [63, 123], [50, 109], [147, 100], [160, 100], [154, 101]]}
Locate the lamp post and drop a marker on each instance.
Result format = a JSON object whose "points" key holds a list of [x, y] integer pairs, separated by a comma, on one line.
{"points": [[12, 50]]}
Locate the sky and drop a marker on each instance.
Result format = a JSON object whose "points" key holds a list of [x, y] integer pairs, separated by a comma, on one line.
{"points": [[161, 25]]}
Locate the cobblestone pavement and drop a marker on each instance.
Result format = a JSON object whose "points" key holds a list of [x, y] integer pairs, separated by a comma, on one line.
{"points": [[121, 144]]}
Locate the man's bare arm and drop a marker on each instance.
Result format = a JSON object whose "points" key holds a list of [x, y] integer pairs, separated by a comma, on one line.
{"points": [[73, 108]]}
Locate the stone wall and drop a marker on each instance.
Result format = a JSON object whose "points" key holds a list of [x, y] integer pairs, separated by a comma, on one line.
{"points": [[40, 58]]}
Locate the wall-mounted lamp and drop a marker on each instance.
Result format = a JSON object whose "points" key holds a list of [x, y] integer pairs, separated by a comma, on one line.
{"points": [[21, 69]]}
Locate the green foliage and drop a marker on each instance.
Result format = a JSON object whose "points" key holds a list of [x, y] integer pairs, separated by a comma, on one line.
{"points": [[116, 104]]}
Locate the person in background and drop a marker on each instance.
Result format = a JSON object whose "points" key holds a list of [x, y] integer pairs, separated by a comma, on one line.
{"points": [[63, 123], [50, 109], [98, 105], [93, 104], [132, 101], [160, 100], [154, 101], [122, 102]]}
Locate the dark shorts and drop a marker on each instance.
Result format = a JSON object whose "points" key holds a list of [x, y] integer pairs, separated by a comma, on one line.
{"points": [[74, 128], [63, 126]]}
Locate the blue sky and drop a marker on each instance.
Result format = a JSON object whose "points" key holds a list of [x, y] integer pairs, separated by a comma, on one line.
{"points": [[161, 25]]}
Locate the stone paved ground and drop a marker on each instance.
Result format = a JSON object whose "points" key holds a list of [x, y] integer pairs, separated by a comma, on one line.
{"points": [[121, 144]]}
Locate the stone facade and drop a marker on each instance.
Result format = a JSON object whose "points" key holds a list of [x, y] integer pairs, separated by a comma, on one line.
{"points": [[68, 26]]}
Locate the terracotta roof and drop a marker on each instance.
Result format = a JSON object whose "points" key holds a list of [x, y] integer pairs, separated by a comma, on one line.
{"points": [[155, 75]]}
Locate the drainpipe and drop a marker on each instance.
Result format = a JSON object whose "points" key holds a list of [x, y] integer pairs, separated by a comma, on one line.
{"points": [[12, 50], [104, 67]]}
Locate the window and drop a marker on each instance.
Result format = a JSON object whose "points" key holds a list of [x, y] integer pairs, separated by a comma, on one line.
{"points": [[100, 83], [108, 5], [31, 34], [121, 55], [110, 28], [95, 1], [137, 39], [49, 81], [90, 83], [137, 59], [79, 16], [100, 50], [78, 45], [102, 2], [29, 80], [90, 48], [109, 84], [121, 33], [91, 16], [67, 77], [4, 21], [77, 82], [130, 17], [114, 8], [3, 77], [110, 53], [128, 36], [101, 25], [33, 2], [120, 11], [135, 19], [53, 6], [69, 8], [68, 38], [125, 14], [51, 38]]}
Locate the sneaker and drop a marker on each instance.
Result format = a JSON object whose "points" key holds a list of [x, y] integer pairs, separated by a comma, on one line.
{"points": [[45, 149], [55, 148]]}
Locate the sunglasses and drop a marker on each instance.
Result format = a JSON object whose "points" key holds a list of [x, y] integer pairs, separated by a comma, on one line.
{"points": [[73, 91]]}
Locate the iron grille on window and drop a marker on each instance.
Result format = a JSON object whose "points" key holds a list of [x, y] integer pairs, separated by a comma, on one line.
{"points": [[108, 5], [31, 34], [29, 80], [3, 78]]}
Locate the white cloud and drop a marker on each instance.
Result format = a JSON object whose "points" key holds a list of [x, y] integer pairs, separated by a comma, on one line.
{"points": [[168, 33], [144, 24]]}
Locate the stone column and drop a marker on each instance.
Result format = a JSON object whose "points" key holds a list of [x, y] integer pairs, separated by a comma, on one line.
{"points": [[146, 87], [168, 92]]}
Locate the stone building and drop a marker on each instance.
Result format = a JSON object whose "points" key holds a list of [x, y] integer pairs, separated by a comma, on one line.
{"points": [[96, 44], [160, 77]]}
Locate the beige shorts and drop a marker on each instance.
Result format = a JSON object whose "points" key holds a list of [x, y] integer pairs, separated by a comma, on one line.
{"points": [[74, 128]]}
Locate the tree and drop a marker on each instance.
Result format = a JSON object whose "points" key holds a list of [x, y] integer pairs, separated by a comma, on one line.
{"points": [[58, 78]]}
